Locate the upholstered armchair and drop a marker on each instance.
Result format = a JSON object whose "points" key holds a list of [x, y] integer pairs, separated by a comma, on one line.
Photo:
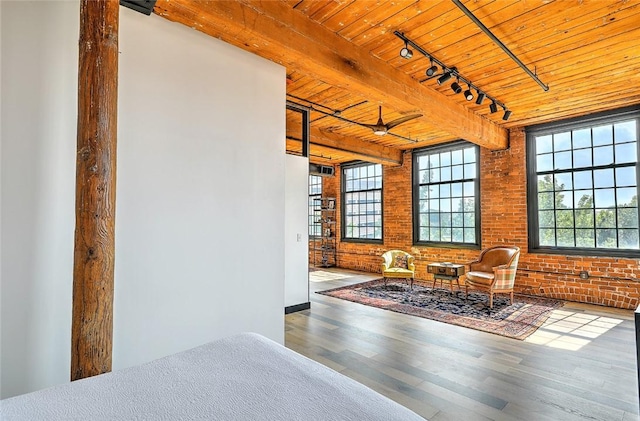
{"points": [[494, 271], [398, 264]]}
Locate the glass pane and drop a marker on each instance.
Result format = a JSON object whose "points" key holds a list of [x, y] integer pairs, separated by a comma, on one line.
{"points": [[445, 190], [456, 190], [434, 219], [582, 180], [434, 160], [603, 155], [628, 218], [564, 200], [456, 157], [565, 238], [543, 144], [584, 218], [603, 178], [605, 218], [546, 219], [469, 155], [445, 205], [605, 198], [424, 234], [423, 162], [445, 174], [457, 235], [585, 238], [423, 192], [446, 234], [434, 192], [378, 168], [606, 238], [626, 176], [562, 160], [582, 138], [545, 200], [456, 172], [547, 237], [544, 183], [627, 196], [583, 198], [544, 162], [625, 131], [434, 234], [603, 135], [456, 205], [469, 188], [445, 220], [582, 158], [457, 219], [435, 175], [628, 239], [469, 204], [469, 235], [470, 171], [562, 141], [626, 152], [424, 176], [469, 219], [564, 219], [445, 158]]}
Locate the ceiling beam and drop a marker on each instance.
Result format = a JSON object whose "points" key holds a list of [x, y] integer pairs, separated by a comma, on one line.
{"points": [[276, 31], [360, 149]]}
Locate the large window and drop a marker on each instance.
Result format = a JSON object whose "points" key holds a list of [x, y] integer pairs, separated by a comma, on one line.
{"points": [[583, 185], [315, 193], [446, 204], [362, 202]]}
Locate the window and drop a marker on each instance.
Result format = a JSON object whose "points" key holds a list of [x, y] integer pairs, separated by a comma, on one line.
{"points": [[315, 193], [362, 202], [583, 185], [446, 195]]}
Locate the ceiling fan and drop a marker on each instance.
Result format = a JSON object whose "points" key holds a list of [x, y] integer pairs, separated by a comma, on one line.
{"points": [[381, 129]]}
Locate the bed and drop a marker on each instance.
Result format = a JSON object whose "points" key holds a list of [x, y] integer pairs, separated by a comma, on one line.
{"points": [[242, 377]]}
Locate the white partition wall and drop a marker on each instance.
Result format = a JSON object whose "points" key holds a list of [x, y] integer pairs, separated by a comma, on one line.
{"points": [[200, 191]]}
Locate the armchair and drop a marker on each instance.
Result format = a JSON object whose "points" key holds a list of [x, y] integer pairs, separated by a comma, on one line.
{"points": [[398, 264], [494, 271]]}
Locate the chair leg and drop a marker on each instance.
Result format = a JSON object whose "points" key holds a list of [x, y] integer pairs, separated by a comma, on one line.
{"points": [[466, 290], [491, 300], [411, 279], [511, 301]]}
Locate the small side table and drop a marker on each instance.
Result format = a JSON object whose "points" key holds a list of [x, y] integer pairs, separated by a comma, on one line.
{"points": [[446, 272]]}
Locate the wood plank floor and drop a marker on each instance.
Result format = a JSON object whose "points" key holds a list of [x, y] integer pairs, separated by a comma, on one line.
{"points": [[581, 365]]}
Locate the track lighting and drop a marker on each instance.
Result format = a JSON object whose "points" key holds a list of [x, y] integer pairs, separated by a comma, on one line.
{"points": [[406, 52], [449, 72], [445, 77], [432, 70], [468, 95], [455, 87]]}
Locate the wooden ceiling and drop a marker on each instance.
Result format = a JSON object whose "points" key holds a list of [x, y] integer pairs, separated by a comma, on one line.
{"points": [[342, 60]]}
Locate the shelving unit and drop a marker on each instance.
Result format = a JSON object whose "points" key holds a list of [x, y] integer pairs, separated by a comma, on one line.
{"points": [[324, 247]]}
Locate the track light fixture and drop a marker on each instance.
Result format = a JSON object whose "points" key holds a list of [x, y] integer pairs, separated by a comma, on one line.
{"points": [[468, 95], [450, 72], [507, 113], [455, 86], [405, 52], [432, 70], [445, 77]]}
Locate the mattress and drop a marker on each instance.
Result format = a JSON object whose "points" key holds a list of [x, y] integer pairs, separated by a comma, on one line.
{"points": [[242, 377]]}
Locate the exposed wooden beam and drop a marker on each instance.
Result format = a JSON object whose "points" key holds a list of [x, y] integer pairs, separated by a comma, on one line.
{"points": [[360, 149], [277, 32], [92, 314]]}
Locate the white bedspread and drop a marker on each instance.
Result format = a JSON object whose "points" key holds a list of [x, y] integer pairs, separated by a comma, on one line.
{"points": [[243, 377]]}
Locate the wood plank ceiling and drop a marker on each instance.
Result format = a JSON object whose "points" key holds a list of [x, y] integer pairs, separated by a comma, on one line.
{"points": [[342, 60]]}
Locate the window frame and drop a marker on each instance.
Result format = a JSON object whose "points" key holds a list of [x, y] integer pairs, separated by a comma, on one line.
{"points": [[314, 209], [584, 122], [415, 174], [343, 203]]}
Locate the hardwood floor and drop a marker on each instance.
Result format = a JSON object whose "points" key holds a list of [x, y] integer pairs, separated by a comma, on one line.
{"points": [[581, 365]]}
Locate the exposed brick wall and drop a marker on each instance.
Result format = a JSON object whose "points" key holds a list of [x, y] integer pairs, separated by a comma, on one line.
{"points": [[612, 281]]}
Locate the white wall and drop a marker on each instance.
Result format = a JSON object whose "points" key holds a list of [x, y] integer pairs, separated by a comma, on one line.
{"points": [[296, 231], [200, 193]]}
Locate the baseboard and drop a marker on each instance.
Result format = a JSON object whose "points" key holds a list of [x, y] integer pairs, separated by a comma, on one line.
{"points": [[297, 307]]}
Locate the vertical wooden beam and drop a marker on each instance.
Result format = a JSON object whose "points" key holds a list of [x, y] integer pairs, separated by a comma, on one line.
{"points": [[92, 317]]}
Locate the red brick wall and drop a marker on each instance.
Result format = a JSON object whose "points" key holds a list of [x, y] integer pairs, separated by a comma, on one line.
{"points": [[612, 281]]}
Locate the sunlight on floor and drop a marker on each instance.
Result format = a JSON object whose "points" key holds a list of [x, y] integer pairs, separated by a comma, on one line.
{"points": [[322, 276], [570, 330]]}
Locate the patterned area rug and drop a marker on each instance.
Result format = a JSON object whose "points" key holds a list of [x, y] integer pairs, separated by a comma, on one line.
{"points": [[517, 320]]}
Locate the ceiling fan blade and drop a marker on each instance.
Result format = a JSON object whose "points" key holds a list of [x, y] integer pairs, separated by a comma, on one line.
{"points": [[401, 120]]}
